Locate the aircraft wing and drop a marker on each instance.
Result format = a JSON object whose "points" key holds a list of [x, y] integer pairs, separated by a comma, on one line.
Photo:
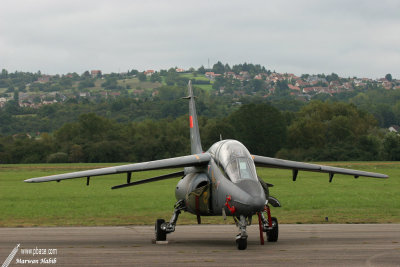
{"points": [[261, 161], [184, 161]]}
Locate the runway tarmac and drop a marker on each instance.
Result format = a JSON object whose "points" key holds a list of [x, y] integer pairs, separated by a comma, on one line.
{"points": [[204, 245]]}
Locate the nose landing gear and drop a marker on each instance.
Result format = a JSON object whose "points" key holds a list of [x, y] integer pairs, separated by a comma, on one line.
{"points": [[241, 238], [241, 243]]}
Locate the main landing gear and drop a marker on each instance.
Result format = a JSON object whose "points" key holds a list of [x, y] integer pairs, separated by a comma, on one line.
{"points": [[269, 226], [163, 228]]}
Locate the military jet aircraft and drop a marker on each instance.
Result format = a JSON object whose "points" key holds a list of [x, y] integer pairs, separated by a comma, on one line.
{"points": [[221, 181]]}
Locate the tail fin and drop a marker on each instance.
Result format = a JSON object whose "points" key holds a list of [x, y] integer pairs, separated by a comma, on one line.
{"points": [[195, 141]]}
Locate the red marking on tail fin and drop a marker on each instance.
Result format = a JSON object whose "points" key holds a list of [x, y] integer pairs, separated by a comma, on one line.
{"points": [[191, 121]]}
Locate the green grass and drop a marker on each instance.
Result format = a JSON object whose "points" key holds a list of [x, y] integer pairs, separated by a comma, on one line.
{"points": [[346, 200], [205, 87], [199, 77], [134, 83], [25, 116], [308, 200]]}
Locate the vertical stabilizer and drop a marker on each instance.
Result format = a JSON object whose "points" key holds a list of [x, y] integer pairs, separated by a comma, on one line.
{"points": [[195, 141]]}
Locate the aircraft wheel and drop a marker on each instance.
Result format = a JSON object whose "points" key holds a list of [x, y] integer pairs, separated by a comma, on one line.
{"points": [[272, 235], [161, 235], [241, 243]]}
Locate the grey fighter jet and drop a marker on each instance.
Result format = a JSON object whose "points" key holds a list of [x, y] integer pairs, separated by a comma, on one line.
{"points": [[222, 181]]}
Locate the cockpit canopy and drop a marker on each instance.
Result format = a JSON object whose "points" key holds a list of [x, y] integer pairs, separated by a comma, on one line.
{"points": [[234, 159]]}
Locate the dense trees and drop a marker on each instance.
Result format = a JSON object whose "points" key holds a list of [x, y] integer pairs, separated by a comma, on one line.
{"points": [[319, 131], [261, 128], [332, 131], [96, 139]]}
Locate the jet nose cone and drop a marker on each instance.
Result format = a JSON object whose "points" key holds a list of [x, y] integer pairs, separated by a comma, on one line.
{"points": [[255, 199]]}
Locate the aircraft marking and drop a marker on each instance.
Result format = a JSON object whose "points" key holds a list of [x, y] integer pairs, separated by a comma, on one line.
{"points": [[191, 121]]}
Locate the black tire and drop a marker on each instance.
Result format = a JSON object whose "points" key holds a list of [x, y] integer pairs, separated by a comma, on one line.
{"points": [[272, 235], [241, 243], [161, 235]]}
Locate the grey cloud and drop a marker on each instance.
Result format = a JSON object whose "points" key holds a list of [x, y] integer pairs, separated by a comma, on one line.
{"points": [[346, 37]]}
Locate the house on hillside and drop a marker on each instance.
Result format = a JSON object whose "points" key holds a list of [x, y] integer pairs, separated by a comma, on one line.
{"points": [[387, 85], [245, 74], [301, 83], [294, 87], [49, 102], [211, 75], [148, 73], [95, 73], [3, 101], [84, 94], [26, 104], [230, 74], [43, 79]]}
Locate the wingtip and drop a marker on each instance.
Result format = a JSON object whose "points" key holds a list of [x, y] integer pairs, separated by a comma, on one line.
{"points": [[31, 180], [382, 176]]}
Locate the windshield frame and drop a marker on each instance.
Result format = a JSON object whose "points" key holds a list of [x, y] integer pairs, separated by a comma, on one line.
{"points": [[241, 168]]}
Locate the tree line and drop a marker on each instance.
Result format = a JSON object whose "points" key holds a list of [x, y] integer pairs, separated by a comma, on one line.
{"points": [[318, 131]]}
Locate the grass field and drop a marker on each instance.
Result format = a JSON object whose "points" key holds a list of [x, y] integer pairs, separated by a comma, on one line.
{"points": [[205, 87], [200, 77], [134, 83], [308, 200]]}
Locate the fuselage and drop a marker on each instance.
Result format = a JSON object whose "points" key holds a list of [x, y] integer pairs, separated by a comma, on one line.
{"points": [[228, 183]]}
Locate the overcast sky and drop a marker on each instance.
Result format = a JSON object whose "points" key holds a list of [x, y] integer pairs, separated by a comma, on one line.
{"points": [[350, 38]]}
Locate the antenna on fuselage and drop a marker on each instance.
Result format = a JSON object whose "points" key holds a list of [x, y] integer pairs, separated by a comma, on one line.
{"points": [[195, 141]]}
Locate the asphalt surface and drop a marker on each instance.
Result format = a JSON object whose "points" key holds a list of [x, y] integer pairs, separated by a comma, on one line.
{"points": [[204, 245]]}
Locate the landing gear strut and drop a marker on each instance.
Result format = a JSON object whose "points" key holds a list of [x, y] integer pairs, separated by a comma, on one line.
{"points": [[269, 226], [163, 228], [241, 238]]}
